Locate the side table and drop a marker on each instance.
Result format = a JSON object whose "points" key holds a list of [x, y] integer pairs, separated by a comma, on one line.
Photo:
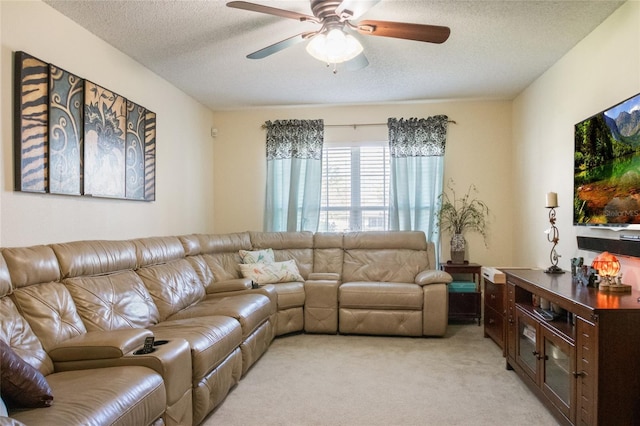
{"points": [[465, 304]]}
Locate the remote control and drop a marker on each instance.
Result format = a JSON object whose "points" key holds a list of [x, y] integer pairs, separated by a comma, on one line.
{"points": [[546, 315], [148, 345]]}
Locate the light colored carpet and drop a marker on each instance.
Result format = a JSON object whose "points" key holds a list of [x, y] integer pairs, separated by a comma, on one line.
{"points": [[310, 379]]}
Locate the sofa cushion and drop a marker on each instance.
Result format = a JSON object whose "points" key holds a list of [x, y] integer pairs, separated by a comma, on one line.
{"points": [[391, 265], [220, 253], [290, 295], [94, 257], [328, 253], [17, 333], [251, 310], [380, 296], [211, 339], [223, 266], [269, 273], [5, 279], [31, 265], [102, 396], [112, 302], [257, 256], [21, 385], [50, 311], [296, 246], [173, 286]]}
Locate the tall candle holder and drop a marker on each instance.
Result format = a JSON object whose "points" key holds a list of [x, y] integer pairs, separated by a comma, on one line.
{"points": [[553, 236]]}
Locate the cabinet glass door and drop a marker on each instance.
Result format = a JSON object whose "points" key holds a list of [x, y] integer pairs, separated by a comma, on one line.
{"points": [[527, 350], [557, 375]]}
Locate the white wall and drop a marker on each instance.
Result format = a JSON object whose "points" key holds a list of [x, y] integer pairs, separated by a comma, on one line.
{"points": [[184, 176], [478, 151], [599, 72]]}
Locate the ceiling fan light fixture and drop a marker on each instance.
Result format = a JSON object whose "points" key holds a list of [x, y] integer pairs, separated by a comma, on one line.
{"points": [[335, 47]]}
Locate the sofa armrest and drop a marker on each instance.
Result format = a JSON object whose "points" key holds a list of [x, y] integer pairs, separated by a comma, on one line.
{"points": [[170, 358], [323, 276], [237, 284], [321, 303], [100, 345], [433, 277]]}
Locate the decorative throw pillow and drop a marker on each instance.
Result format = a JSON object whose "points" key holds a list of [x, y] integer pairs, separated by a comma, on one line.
{"points": [[22, 385], [257, 256], [269, 273]]}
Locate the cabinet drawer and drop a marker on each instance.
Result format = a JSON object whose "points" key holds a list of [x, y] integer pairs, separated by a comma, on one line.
{"points": [[494, 326], [464, 303], [494, 295]]}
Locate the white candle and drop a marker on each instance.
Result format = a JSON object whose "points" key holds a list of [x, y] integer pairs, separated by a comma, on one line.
{"points": [[552, 199]]}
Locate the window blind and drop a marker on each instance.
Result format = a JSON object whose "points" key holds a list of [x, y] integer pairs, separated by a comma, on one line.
{"points": [[355, 189]]}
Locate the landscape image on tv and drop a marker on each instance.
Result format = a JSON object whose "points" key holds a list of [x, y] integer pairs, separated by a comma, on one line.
{"points": [[607, 167]]}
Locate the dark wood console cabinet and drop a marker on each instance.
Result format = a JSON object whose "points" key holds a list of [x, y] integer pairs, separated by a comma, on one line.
{"points": [[585, 364]]}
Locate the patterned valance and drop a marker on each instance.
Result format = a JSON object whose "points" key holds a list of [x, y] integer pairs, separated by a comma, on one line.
{"points": [[295, 139], [418, 137]]}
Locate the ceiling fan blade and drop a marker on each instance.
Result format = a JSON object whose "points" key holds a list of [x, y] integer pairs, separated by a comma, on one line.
{"points": [[245, 5], [418, 32], [281, 45], [357, 63], [355, 8]]}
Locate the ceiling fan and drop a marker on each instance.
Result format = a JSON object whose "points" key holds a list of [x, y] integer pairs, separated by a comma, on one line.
{"points": [[332, 43]]}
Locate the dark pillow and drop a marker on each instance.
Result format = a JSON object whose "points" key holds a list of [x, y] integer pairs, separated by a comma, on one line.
{"points": [[22, 385]]}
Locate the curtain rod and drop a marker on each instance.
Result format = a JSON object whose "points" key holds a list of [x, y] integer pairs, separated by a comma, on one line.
{"points": [[368, 124], [355, 125]]}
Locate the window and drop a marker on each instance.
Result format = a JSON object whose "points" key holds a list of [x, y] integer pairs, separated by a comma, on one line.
{"points": [[355, 188]]}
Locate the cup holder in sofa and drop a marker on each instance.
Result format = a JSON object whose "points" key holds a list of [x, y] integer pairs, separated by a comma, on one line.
{"points": [[160, 342], [144, 352]]}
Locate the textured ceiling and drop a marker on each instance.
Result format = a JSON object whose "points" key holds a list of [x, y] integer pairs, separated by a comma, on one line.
{"points": [[496, 49]]}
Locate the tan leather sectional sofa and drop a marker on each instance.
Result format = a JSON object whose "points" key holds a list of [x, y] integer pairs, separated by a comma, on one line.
{"points": [[79, 311]]}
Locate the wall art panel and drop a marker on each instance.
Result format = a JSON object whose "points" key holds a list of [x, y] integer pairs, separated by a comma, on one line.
{"points": [[30, 126], [66, 105], [150, 157], [135, 151], [105, 115]]}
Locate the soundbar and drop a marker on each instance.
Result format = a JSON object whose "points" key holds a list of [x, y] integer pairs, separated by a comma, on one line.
{"points": [[624, 247]]}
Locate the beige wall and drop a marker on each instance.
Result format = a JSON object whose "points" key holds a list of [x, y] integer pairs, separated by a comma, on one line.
{"points": [[602, 70], [514, 152], [478, 151], [184, 175]]}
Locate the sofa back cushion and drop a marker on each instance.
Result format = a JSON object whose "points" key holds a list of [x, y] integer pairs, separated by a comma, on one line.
{"points": [[95, 257], [113, 301], [190, 244], [384, 256], [296, 246], [50, 311], [221, 255], [16, 332], [100, 277], [173, 286], [31, 265], [328, 252], [5, 280], [43, 301], [168, 276]]}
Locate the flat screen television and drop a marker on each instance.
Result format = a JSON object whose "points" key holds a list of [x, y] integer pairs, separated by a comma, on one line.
{"points": [[606, 184]]}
